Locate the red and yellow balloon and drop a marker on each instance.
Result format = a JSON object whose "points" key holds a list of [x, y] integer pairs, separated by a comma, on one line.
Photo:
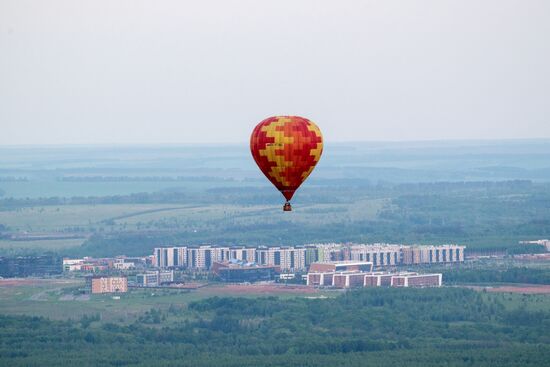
{"points": [[286, 148]]}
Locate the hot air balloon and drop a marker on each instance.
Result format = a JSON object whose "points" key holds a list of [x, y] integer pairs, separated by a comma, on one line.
{"points": [[286, 148]]}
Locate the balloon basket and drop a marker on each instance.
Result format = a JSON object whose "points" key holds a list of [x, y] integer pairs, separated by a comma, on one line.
{"points": [[287, 207]]}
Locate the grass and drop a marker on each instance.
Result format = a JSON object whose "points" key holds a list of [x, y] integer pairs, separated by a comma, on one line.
{"points": [[44, 298], [56, 218], [514, 301], [170, 216], [7, 246]]}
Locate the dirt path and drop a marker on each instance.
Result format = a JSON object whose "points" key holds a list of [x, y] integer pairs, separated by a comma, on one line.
{"points": [[520, 288], [267, 289]]}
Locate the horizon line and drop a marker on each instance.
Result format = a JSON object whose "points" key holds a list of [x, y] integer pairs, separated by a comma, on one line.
{"points": [[336, 142]]}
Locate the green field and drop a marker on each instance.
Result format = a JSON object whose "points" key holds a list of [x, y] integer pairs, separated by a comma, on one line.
{"points": [[10, 246], [57, 218], [172, 216], [515, 301], [60, 299]]}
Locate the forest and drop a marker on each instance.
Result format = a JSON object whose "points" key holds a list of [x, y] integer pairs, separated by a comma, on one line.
{"points": [[488, 274], [370, 327]]}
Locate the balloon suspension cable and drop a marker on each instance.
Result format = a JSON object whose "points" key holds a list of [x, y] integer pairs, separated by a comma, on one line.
{"points": [[287, 207]]}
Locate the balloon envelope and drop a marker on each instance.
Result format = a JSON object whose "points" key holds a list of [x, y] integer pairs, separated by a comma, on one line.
{"points": [[286, 149]]}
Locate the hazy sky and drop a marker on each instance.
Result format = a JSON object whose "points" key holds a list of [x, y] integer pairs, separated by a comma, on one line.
{"points": [[207, 71]]}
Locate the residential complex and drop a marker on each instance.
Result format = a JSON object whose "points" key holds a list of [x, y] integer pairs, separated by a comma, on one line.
{"points": [[384, 255], [202, 257], [299, 258], [328, 265], [432, 254], [88, 264]]}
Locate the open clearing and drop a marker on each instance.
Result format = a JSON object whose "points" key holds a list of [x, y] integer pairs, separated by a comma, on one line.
{"points": [[60, 298], [120, 217], [59, 217], [42, 245], [260, 289], [521, 289]]}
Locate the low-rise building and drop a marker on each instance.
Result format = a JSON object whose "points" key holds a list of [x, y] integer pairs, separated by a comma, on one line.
{"points": [[357, 279], [334, 266], [545, 243], [155, 278], [24, 266], [348, 279], [123, 264], [89, 264], [240, 271], [417, 280], [378, 279]]}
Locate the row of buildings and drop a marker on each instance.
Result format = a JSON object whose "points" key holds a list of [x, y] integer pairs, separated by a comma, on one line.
{"points": [[544, 243], [25, 266], [348, 274], [353, 274], [95, 265], [299, 258], [98, 284]]}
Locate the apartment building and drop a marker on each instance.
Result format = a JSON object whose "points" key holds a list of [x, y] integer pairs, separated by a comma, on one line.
{"points": [[240, 253], [378, 254], [100, 284], [170, 257], [432, 254], [329, 252], [202, 257], [286, 258], [299, 258], [384, 255]]}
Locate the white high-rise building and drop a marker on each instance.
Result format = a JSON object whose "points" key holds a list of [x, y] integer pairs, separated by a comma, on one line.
{"points": [[170, 257]]}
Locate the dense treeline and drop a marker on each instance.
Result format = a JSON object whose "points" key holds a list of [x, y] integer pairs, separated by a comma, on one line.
{"points": [[508, 275], [374, 327]]}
